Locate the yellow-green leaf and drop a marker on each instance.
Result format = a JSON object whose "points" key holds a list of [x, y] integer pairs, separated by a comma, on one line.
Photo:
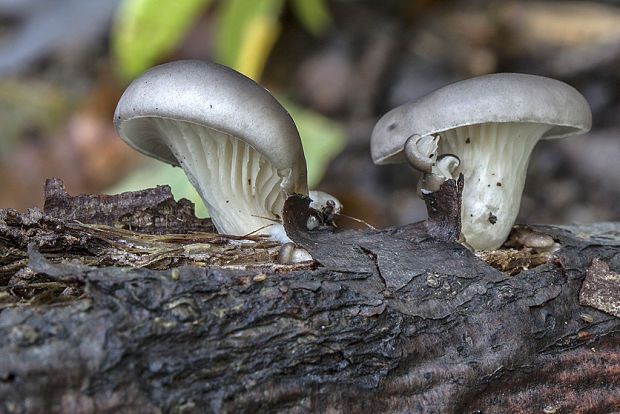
{"points": [[313, 15], [145, 31], [247, 31], [322, 139]]}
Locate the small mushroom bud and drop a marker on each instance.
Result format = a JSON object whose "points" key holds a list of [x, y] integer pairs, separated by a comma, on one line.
{"points": [[327, 208], [443, 169], [539, 241], [532, 239], [446, 165], [313, 222], [429, 183], [289, 254], [421, 151], [321, 201]]}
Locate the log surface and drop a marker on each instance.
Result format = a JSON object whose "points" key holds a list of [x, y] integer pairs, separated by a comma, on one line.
{"points": [[392, 321]]}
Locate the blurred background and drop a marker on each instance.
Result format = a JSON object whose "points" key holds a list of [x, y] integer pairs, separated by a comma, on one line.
{"points": [[336, 65]]}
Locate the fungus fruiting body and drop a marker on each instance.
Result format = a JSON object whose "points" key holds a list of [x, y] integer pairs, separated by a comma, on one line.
{"points": [[488, 126], [238, 146], [289, 254]]}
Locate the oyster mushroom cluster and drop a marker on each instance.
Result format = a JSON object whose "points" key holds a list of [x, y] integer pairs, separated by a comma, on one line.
{"points": [[237, 145], [241, 150], [484, 128]]}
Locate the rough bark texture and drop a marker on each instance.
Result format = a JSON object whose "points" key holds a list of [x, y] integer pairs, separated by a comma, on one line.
{"points": [[393, 321], [444, 210], [153, 210]]}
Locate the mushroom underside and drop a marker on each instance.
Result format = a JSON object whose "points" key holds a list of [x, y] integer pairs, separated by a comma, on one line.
{"points": [[239, 186], [493, 159]]}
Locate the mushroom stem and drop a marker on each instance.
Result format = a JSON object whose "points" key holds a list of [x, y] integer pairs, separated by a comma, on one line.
{"points": [[441, 171], [493, 159], [429, 183], [446, 165]]}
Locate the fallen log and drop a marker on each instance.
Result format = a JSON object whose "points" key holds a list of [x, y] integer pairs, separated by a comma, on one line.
{"points": [[386, 320]]}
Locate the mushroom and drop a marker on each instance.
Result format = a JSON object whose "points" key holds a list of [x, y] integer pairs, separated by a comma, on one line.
{"points": [[525, 237], [490, 124], [238, 146], [289, 254], [421, 152]]}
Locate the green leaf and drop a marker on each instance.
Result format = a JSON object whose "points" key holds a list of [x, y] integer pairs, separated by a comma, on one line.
{"points": [[246, 33], [145, 31], [322, 138], [313, 15]]}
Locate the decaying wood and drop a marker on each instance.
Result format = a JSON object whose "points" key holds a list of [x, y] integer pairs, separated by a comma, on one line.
{"points": [[444, 210], [153, 210], [144, 229], [601, 288], [392, 320]]}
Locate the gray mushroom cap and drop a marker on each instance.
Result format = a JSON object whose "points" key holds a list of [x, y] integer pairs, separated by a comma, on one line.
{"points": [[217, 97], [495, 98], [490, 124]]}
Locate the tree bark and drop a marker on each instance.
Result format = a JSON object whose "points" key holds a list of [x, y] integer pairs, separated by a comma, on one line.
{"points": [[392, 321]]}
